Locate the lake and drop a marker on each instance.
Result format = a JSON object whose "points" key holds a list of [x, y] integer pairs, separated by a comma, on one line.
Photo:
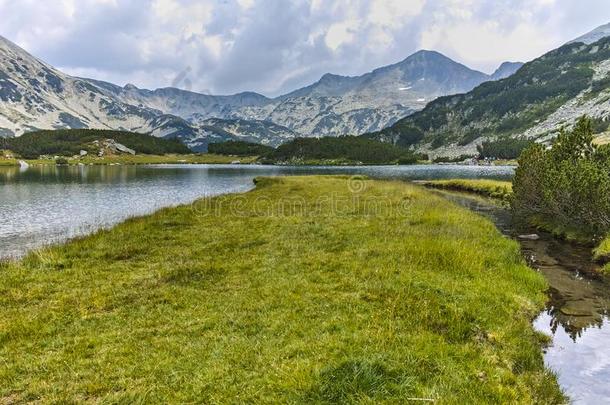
{"points": [[42, 205]]}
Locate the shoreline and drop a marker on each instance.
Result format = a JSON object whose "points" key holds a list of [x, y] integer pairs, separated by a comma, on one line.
{"points": [[501, 190], [136, 160], [214, 159]]}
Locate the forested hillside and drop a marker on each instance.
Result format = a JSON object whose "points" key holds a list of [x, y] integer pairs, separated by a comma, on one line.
{"points": [[350, 149], [71, 142], [239, 148]]}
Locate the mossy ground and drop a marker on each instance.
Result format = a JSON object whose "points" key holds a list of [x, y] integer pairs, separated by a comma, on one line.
{"points": [[601, 254], [305, 290]]}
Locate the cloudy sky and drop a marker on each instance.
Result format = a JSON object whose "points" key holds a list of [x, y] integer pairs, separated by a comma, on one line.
{"points": [[273, 46]]}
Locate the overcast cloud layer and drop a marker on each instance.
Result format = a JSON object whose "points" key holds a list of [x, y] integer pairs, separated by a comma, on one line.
{"points": [[274, 46]]}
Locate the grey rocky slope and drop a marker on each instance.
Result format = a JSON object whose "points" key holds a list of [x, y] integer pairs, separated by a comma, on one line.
{"points": [[219, 130], [598, 33], [335, 105], [34, 95]]}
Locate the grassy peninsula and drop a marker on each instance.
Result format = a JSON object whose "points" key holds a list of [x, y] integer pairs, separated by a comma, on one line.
{"points": [[305, 290], [488, 188]]}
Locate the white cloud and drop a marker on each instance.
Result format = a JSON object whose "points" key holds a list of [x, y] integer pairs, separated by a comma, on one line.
{"points": [[392, 13], [274, 46], [487, 44], [340, 33], [246, 4]]}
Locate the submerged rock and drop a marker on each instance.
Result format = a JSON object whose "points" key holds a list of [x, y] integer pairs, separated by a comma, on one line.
{"points": [[532, 236]]}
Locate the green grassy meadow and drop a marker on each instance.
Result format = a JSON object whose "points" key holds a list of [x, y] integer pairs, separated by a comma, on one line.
{"points": [[489, 188], [304, 290]]}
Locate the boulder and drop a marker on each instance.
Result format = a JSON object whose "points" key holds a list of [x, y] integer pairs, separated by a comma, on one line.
{"points": [[124, 149]]}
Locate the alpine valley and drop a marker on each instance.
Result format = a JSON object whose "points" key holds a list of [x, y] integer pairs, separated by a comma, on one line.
{"points": [[34, 95], [546, 94]]}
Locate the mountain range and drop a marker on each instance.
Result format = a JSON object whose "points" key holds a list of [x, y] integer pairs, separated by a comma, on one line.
{"points": [[35, 95], [545, 94]]}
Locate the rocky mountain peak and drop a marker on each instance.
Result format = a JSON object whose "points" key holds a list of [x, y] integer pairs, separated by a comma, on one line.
{"points": [[506, 69], [598, 33], [329, 77], [424, 54], [5, 43]]}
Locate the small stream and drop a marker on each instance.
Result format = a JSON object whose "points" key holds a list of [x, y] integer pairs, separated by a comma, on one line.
{"points": [[576, 315]]}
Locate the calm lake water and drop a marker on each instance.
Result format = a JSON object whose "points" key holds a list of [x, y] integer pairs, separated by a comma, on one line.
{"points": [[48, 204]]}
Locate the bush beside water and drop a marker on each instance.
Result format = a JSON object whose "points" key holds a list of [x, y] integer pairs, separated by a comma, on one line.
{"points": [[566, 188]]}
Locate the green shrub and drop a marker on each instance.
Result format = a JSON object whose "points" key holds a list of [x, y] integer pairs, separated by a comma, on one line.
{"points": [[567, 187], [600, 125], [454, 159]]}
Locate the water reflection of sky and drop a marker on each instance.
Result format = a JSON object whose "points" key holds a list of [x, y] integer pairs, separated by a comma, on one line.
{"points": [[582, 364]]}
